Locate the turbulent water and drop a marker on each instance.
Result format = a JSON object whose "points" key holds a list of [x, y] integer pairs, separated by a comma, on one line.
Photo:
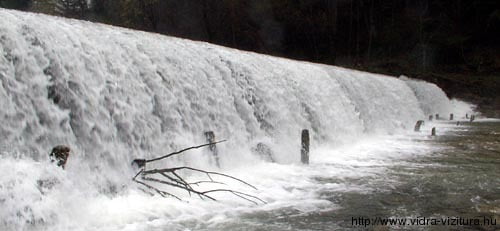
{"points": [[113, 95]]}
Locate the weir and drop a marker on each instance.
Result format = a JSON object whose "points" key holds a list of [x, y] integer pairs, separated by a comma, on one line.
{"points": [[135, 94], [114, 95]]}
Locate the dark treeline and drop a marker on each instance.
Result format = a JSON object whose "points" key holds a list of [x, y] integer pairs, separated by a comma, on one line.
{"points": [[455, 43]]}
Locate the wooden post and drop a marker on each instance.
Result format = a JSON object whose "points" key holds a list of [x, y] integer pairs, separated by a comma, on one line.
{"points": [[437, 116], [304, 151], [472, 118], [418, 125], [451, 116], [210, 136], [430, 118], [433, 132]]}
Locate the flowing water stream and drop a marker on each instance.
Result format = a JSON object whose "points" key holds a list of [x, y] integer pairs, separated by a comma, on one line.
{"points": [[454, 175], [114, 95]]}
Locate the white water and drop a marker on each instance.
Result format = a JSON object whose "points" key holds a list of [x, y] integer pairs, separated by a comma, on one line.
{"points": [[126, 94]]}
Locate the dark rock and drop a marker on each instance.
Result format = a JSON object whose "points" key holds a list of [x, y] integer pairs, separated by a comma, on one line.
{"points": [[60, 155], [139, 163], [264, 152]]}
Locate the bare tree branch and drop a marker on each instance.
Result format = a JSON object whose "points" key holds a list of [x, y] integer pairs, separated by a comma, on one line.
{"points": [[206, 181], [154, 171], [173, 179], [183, 150], [177, 186], [238, 194], [162, 193]]}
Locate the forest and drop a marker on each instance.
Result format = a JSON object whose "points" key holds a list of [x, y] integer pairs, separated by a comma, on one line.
{"points": [[453, 43]]}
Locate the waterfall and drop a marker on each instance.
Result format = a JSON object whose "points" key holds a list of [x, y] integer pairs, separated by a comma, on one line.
{"points": [[114, 94]]}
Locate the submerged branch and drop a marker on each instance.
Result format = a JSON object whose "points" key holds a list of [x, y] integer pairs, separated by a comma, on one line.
{"points": [[178, 186], [162, 193], [238, 194], [154, 171], [173, 179]]}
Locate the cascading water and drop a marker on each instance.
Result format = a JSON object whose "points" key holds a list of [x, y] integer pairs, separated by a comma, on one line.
{"points": [[114, 94], [433, 100]]}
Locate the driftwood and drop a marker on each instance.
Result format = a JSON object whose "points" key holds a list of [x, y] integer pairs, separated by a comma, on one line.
{"points": [[170, 177]]}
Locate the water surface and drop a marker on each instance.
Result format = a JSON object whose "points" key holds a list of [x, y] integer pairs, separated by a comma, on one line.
{"points": [[453, 175]]}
